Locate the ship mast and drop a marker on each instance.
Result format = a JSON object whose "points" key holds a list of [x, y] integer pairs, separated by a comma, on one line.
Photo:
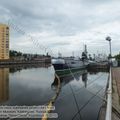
{"points": [[85, 49]]}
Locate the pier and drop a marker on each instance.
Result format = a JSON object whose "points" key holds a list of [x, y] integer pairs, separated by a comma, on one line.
{"points": [[112, 98], [116, 93], [99, 65]]}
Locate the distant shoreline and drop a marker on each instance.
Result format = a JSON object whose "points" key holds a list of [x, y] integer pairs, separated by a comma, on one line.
{"points": [[22, 62]]}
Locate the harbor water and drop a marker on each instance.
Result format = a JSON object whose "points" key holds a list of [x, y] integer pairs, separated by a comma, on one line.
{"points": [[80, 96]]}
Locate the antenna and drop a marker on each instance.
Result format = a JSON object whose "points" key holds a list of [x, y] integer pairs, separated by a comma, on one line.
{"points": [[73, 53], [85, 49]]}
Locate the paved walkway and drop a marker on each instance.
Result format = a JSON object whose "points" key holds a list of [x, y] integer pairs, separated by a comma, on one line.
{"points": [[116, 91]]}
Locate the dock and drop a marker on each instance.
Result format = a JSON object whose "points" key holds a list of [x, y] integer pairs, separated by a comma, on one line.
{"points": [[23, 62], [115, 77], [116, 93], [100, 65]]}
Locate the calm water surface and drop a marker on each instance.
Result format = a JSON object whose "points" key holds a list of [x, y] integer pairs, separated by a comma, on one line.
{"points": [[78, 99]]}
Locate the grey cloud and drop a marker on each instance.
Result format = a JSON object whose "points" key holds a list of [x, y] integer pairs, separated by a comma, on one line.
{"points": [[63, 17], [60, 44], [47, 15]]}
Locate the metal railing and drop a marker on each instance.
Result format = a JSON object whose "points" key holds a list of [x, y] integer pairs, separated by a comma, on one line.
{"points": [[109, 99]]}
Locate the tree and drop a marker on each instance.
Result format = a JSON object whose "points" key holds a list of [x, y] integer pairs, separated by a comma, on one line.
{"points": [[117, 57]]}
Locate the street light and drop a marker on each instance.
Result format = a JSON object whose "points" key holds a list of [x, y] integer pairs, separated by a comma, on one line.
{"points": [[108, 38], [109, 90]]}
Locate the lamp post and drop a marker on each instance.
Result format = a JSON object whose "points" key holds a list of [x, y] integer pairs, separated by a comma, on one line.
{"points": [[109, 39], [109, 90]]}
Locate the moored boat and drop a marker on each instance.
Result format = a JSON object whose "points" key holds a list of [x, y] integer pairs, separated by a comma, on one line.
{"points": [[69, 65]]}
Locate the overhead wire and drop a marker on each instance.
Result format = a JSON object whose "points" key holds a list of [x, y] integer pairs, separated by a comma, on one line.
{"points": [[86, 104], [81, 87]]}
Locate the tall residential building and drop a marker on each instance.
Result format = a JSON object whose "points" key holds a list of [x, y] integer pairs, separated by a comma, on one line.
{"points": [[4, 42]]}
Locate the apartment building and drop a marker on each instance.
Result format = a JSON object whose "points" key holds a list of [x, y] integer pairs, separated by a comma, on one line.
{"points": [[4, 42]]}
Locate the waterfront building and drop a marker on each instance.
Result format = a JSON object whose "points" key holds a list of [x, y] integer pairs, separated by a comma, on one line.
{"points": [[4, 42]]}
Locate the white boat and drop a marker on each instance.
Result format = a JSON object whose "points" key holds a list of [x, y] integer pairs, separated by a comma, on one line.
{"points": [[59, 63]]}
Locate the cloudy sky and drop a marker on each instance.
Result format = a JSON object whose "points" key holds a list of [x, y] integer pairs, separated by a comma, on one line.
{"points": [[53, 26]]}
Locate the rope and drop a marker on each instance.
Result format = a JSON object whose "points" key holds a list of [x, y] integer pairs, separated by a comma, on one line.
{"points": [[89, 91], [82, 87], [86, 103], [75, 101], [49, 104]]}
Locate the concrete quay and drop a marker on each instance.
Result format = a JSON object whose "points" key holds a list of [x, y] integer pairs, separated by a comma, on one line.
{"points": [[115, 74], [116, 93]]}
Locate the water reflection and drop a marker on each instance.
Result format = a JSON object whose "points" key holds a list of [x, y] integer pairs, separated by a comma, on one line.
{"points": [[29, 86], [96, 71], [15, 68], [82, 103], [4, 84], [84, 78], [36, 85], [67, 79]]}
